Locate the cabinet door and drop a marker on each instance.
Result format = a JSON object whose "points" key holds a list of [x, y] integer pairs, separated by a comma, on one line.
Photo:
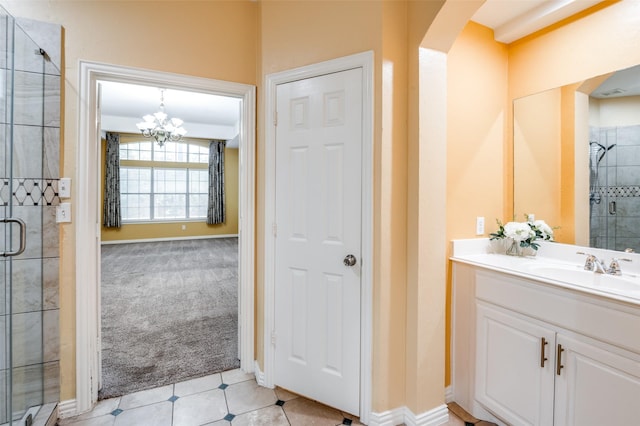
{"points": [[514, 380], [597, 385]]}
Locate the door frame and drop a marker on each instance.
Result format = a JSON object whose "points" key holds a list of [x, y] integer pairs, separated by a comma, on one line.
{"points": [[87, 220], [365, 62]]}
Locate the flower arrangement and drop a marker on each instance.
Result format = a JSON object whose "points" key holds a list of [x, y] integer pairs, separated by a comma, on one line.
{"points": [[524, 234]]}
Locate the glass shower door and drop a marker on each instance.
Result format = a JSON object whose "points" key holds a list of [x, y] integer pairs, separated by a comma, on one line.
{"points": [[28, 322]]}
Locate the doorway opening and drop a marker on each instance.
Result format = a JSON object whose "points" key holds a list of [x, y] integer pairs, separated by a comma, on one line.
{"points": [[88, 218], [169, 265]]}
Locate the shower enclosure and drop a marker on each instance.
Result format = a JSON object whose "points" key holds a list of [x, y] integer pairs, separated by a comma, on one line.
{"points": [[29, 172], [614, 187]]}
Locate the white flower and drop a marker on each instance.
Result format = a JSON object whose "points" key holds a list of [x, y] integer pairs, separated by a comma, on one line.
{"points": [[519, 231], [544, 229]]}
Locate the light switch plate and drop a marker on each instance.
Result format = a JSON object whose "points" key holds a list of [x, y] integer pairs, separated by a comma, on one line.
{"points": [[480, 225], [64, 187], [63, 213]]}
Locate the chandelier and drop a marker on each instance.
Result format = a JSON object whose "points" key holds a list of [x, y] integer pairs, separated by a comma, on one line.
{"points": [[160, 127]]}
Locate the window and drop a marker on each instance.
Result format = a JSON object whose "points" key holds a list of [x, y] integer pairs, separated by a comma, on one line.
{"points": [[198, 193], [163, 184], [135, 193], [136, 151]]}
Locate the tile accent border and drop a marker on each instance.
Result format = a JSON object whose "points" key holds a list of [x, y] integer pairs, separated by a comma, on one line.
{"points": [[434, 417], [30, 192], [619, 191]]}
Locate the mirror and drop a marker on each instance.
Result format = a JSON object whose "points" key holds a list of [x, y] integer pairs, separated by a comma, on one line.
{"points": [[577, 160]]}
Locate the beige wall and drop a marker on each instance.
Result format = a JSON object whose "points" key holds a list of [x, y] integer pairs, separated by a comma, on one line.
{"points": [[426, 196], [243, 41], [598, 43], [206, 39], [536, 150], [477, 122], [618, 112], [390, 156], [409, 294], [570, 188], [476, 125], [240, 47], [267, 37]]}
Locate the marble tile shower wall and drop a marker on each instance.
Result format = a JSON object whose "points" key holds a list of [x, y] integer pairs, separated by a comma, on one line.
{"points": [[615, 221], [29, 309]]}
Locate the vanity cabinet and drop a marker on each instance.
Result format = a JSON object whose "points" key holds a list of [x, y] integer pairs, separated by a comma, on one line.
{"points": [[526, 353]]}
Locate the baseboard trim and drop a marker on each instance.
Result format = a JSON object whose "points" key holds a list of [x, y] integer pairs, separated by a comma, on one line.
{"points": [[259, 374], [434, 417], [387, 418], [448, 394], [67, 408], [155, 240], [397, 416]]}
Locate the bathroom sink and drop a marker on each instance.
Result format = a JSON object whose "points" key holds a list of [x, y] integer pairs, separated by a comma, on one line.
{"points": [[574, 274]]}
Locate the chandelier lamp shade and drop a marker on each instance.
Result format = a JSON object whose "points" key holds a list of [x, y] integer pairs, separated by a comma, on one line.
{"points": [[160, 127]]}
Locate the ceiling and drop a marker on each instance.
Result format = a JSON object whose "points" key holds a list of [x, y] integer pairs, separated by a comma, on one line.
{"points": [[205, 116], [513, 19], [622, 83]]}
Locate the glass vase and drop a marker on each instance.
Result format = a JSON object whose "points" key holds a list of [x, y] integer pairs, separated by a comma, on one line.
{"points": [[513, 248]]}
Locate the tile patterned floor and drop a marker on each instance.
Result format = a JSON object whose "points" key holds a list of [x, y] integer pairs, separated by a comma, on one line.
{"points": [[230, 398]]}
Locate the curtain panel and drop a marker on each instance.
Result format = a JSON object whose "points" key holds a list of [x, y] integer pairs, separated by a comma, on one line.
{"points": [[112, 216], [216, 205]]}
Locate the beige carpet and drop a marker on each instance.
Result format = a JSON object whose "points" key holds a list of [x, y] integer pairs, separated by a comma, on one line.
{"points": [[169, 312]]}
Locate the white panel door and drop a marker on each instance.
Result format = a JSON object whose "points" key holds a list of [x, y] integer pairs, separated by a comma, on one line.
{"points": [[318, 215]]}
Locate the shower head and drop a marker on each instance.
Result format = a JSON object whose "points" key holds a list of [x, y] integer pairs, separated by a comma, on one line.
{"points": [[597, 151], [594, 150]]}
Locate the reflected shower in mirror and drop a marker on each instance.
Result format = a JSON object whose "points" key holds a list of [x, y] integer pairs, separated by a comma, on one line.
{"points": [[614, 162], [589, 153]]}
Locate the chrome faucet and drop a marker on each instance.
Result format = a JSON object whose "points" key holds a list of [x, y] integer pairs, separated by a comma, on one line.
{"points": [[614, 267], [597, 266], [594, 264]]}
